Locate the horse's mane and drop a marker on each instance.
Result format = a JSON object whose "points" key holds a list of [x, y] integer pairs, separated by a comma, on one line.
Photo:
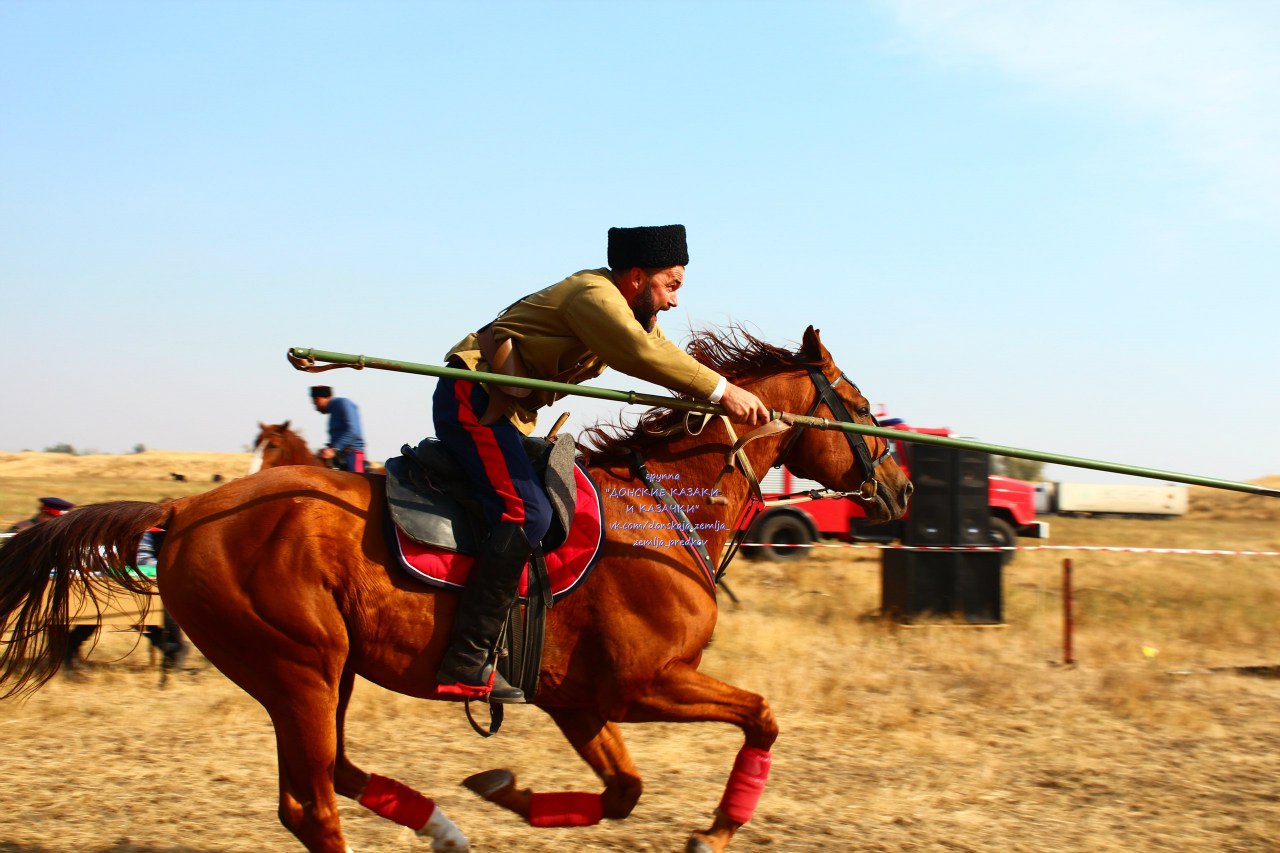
{"points": [[734, 353]]}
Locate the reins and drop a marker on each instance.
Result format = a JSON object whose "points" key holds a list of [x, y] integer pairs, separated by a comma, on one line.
{"points": [[736, 460]]}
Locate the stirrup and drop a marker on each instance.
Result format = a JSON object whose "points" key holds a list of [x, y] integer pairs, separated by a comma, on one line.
{"points": [[497, 690], [504, 693]]}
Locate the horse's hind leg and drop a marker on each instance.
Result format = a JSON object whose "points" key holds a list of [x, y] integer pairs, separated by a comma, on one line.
{"points": [[307, 746], [348, 780], [600, 744], [293, 672]]}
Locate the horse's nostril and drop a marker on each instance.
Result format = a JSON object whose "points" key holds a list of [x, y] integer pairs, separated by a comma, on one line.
{"points": [[907, 491]]}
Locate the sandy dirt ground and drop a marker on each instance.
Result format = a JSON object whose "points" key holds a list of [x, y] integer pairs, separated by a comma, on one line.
{"points": [[941, 738], [114, 764]]}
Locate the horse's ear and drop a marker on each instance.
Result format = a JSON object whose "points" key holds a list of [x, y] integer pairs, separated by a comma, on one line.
{"points": [[811, 346], [284, 426], [261, 426]]}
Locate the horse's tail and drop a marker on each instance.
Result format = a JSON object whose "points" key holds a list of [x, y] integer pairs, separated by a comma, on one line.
{"points": [[90, 550]]}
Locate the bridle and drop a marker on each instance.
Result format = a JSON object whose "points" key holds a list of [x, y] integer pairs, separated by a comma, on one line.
{"points": [[860, 446], [737, 460]]}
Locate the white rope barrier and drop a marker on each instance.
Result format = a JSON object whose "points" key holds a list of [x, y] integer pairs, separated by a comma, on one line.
{"points": [[1212, 552], [875, 546]]}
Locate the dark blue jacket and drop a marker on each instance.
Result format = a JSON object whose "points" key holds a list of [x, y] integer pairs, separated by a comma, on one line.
{"points": [[344, 425]]}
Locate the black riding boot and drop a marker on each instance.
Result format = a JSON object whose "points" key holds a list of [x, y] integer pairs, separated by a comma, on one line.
{"points": [[482, 611]]}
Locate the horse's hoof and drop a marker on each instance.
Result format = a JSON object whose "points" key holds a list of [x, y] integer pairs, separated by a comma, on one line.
{"points": [[490, 782], [697, 845], [499, 788]]}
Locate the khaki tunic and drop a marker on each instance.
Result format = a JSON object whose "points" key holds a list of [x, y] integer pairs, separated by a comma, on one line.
{"points": [[571, 331]]}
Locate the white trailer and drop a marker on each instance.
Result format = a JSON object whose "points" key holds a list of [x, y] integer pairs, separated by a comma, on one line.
{"points": [[1117, 499]]}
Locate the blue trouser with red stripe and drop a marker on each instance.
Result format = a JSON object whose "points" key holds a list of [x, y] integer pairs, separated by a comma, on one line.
{"points": [[493, 457], [351, 460]]}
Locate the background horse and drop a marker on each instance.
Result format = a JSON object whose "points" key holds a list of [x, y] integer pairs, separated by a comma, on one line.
{"points": [[285, 582], [277, 445]]}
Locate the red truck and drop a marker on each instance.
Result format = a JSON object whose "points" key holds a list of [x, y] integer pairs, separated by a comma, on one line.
{"points": [[1012, 505]]}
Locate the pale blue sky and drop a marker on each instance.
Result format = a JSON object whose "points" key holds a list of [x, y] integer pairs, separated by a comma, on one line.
{"points": [[1051, 225]]}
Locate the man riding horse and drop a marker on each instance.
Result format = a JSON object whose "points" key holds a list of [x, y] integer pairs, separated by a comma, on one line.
{"points": [[345, 449], [568, 332]]}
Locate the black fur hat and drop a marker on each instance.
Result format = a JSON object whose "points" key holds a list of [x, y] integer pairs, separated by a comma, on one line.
{"points": [[647, 246], [321, 391]]}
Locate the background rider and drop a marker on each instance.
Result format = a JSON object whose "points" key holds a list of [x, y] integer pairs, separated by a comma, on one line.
{"points": [[346, 440]]}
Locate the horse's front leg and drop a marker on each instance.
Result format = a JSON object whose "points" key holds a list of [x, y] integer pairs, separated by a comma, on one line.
{"points": [[600, 744], [681, 694], [388, 797]]}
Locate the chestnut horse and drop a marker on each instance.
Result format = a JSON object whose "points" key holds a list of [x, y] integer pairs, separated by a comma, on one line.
{"points": [[285, 583], [277, 445]]}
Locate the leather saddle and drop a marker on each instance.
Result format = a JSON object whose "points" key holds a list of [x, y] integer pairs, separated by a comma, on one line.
{"points": [[429, 494]]}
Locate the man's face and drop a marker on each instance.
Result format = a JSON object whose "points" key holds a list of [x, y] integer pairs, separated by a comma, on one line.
{"points": [[321, 403], [657, 293]]}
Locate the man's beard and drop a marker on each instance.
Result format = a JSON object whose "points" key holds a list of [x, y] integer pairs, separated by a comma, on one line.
{"points": [[644, 309]]}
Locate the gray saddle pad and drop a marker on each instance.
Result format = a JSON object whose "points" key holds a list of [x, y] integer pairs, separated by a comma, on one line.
{"points": [[426, 493]]}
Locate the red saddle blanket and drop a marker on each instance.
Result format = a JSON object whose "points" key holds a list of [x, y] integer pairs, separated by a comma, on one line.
{"points": [[567, 566]]}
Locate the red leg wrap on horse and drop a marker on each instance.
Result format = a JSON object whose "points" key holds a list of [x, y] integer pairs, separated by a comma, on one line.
{"points": [[398, 802], [746, 784], [565, 808]]}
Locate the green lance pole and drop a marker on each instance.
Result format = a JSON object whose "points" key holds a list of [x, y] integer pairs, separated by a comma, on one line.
{"points": [[308, 360]]}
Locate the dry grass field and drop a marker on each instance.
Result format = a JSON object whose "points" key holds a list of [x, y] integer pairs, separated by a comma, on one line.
{"points": [[146, 476], [939, 738]]}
